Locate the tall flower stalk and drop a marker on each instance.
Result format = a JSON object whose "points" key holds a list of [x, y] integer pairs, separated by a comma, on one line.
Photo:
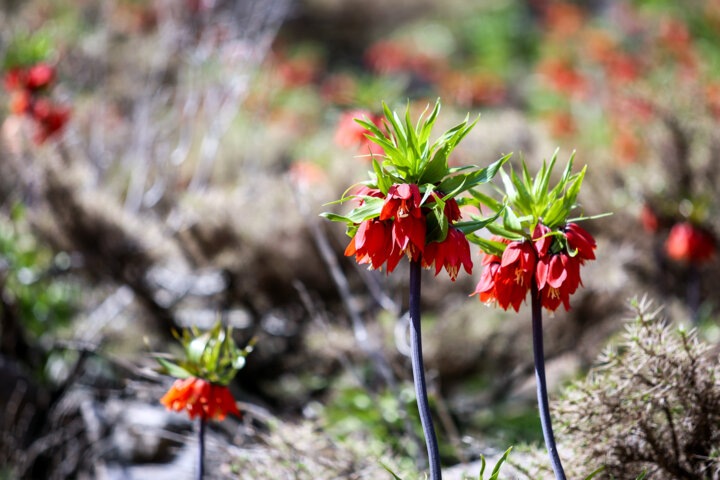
{"points": [[418, 369], [538, 249], [410, 208], [210, 362]]}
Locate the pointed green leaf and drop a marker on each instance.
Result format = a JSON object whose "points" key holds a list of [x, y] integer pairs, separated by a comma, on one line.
{"points": [[475, 225], [173, 370], [491, 247], [496, 470], [395, 477], [499, 230], [488, 201], [465, 181], [383, 182], [595, 472], [511, 221]]}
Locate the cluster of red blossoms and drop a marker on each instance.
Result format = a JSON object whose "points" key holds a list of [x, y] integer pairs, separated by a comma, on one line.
{"points": [[401, 230], [506, 281], [200, 398], [25, 86]]}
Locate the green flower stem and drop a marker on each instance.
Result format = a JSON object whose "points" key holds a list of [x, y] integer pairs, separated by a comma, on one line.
{"points": [[201, 447], [419, 372], [541, 383]]}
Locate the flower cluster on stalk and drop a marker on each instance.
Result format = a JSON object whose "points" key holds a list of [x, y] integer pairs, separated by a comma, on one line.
{"points": [[535, 242], [409, 207], [210, 362], [28, 87]]}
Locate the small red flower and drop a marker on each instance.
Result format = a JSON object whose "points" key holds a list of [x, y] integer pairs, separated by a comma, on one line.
{"points": [[505, 281], [558, 277], [15, 79], [350, 133], [372, 243], [580, 240], [20, 102], [649, 219], [50, 119], [408, 227], [200, 398], [688, 243], [451, 253], [542, 243], [39, 76]]}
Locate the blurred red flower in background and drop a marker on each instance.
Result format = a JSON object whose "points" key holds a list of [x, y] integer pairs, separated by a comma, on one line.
{"points": [[350, 133], [200, 398], [689, 243], [39, 76]]}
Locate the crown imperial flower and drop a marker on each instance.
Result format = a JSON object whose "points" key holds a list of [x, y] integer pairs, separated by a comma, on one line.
{"points": [[200, 398], [550, 256], [409, 207], [211, 361], [691, 244]]}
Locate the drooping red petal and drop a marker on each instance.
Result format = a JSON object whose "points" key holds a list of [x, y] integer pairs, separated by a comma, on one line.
{"points": [[543, 244], [556, 273], [541, 271], [511, 254]]}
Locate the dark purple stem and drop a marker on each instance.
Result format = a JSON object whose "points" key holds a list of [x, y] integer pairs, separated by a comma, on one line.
{"points": [[541, 383], [201, 448], [419, 372]]}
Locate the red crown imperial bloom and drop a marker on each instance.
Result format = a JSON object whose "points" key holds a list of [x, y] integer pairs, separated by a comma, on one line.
{"points": [[452, 253], [200, 398], [688, 243]]}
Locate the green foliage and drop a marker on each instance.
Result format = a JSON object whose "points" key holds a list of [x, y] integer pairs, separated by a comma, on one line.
{"points": [[411, 158], [530, 201], [212, 355], [27, 49], [28, 272], [382, 417]]}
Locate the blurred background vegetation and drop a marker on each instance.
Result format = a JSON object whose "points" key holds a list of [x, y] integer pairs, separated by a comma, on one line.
{"points": [[202, 138]]}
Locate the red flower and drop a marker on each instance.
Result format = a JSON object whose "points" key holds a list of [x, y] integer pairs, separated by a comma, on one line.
{"points": [[506, 281], [19, 102], [542, 243], [200, 398], [558, 277], [14, 78], [688, 243], [580, 240], [50, 119], [39, 76], [649, 220], [350, 133], [408, 227], [451, 253], [372, 243]]}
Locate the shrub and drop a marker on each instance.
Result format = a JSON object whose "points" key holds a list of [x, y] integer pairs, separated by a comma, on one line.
{"points": [[652, 404]]}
